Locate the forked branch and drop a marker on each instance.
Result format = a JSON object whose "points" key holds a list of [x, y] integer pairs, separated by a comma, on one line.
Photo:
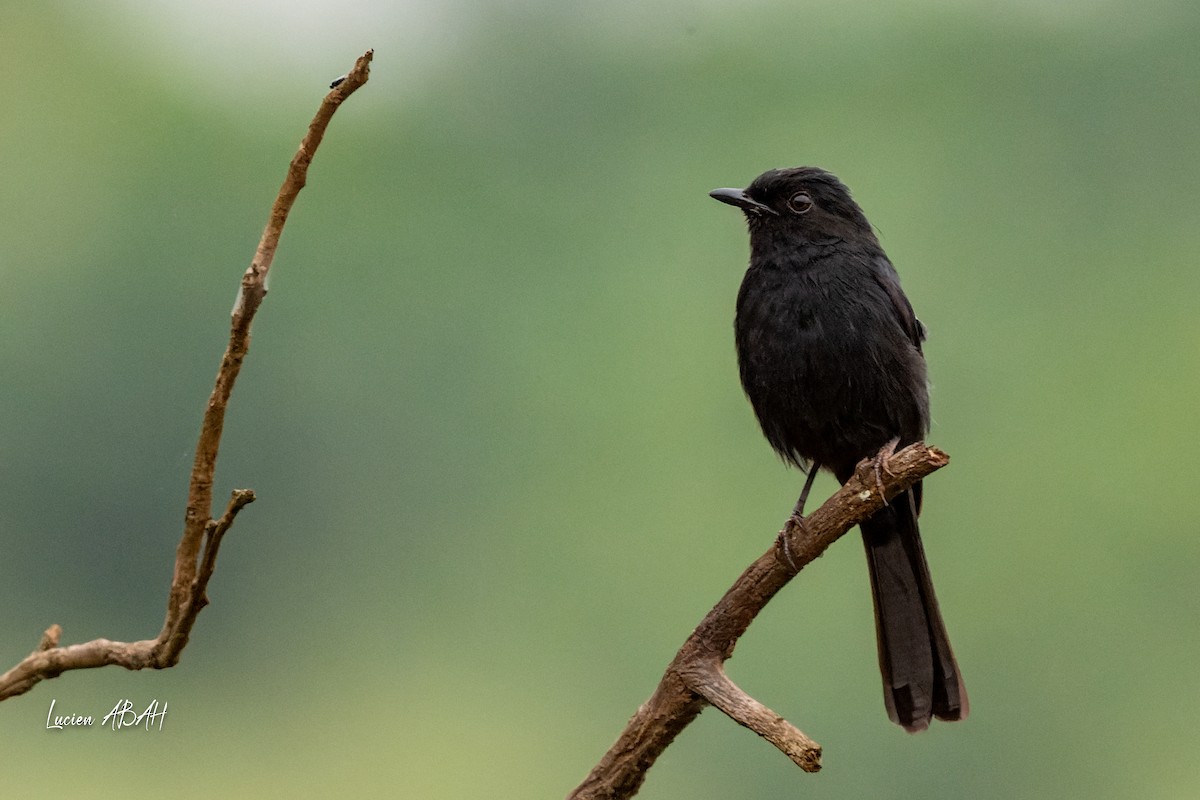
{"points": [[696, 677], [195, 558]]}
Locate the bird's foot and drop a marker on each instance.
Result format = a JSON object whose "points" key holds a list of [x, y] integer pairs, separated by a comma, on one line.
{"points": [[781, 541], [879, 464]]}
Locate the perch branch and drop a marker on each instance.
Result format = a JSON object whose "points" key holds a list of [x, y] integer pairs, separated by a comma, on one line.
{"points": [[195, 557], [696, 677]]}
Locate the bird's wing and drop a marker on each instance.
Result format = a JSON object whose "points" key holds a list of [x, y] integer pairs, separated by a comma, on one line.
{"points": [[890, 282]]}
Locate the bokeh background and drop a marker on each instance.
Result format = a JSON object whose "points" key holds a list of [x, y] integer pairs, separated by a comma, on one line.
{"points": [[491, 408]]}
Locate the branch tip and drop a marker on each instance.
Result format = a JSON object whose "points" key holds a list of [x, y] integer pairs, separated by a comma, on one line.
{"points": [[50, 638]]}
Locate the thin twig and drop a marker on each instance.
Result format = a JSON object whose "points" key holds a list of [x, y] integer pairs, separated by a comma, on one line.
{"points": [[194, 568], [178, 624], [696, 677]]}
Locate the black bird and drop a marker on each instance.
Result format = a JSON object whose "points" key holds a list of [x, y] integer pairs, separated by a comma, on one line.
{"points": [[830, 356]]}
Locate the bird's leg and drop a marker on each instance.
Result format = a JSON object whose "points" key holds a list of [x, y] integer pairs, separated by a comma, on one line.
{"points": [[798, 511], [879, 462], [797, 517]]}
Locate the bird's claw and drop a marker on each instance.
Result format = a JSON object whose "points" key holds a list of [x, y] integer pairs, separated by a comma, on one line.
{"points": [[879, 464], [781, 541]]}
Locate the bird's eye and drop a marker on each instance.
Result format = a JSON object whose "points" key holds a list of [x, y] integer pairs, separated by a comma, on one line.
{"points": [[800, 203]]}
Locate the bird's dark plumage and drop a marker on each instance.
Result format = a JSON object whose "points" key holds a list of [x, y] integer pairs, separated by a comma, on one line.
{"points": [[830, 356]]}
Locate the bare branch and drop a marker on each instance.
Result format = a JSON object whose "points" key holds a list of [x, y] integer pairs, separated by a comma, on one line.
{"points": [[195, 557], [696, 677], [178, 625], [709, 680]]}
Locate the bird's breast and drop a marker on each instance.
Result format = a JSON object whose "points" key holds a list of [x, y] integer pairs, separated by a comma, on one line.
{"points": [[824, 367]]}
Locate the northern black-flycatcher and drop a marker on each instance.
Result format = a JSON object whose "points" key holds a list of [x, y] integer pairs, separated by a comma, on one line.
{"points": [[830, 356]]}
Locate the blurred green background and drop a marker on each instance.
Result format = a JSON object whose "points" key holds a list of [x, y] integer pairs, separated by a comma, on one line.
{"points": [[491, 408]]}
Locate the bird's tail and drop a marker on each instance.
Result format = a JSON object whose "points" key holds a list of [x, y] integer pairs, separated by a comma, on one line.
{"points": [[920, 677]]}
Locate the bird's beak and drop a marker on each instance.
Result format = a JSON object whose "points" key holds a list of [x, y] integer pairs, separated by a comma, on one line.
{"points": [[739, 198]]}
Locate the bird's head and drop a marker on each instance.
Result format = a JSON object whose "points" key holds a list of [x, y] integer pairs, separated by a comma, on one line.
{"points": [[804, 203]]}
